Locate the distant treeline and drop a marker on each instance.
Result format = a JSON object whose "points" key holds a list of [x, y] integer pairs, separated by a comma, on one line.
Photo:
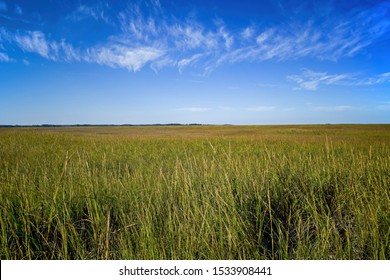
{"points": [[83, 125]]}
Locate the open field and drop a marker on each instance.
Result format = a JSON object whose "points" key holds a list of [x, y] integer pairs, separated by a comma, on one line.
{"points": [[195, 192]]}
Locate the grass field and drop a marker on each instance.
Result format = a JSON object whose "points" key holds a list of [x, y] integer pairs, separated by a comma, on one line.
{"points": [[201, 192]]}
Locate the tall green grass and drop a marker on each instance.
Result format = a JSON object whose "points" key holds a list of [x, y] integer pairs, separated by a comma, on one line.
{"points": [[236, 193]]}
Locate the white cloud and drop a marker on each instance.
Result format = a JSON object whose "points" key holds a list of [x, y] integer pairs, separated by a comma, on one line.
{"points": [[161, 63], [148, 35], [33, 41], [329, 39], [311, 80], [247, 33], [195, 109], [96, 11], [378, 79], [68, 52], [264, 36], [116, 55], [36, 42], [191, 36], [188, 61], [286, 42], [181, 39], [133, 24], [227, 38], [4, 57], [121, 56]]}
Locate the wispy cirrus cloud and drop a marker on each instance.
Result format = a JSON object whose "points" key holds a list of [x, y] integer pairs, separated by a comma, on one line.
{"points": [[327, 39], [112, 54], [226, 37], [248, 32], [311, 80], [330, 39], [147, 35], [36, 42], [368, 81], [188, 61], [192, 35], [97, 11], [121, 56], [4, 57]]}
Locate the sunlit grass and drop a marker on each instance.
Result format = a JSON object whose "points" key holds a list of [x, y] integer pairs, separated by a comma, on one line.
{"points": [[261, 192]]}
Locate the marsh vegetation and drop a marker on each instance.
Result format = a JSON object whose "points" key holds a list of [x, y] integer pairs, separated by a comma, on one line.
{"points": [[208, 192]]}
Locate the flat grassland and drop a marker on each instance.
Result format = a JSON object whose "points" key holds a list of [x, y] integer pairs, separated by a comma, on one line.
{"points": [[195, 192]]}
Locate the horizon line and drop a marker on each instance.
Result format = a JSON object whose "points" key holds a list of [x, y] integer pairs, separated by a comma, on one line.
{"points": [[176, 124]]}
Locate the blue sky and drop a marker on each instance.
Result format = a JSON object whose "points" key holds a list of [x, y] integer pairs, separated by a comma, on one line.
{"points": [[215, 62]]}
